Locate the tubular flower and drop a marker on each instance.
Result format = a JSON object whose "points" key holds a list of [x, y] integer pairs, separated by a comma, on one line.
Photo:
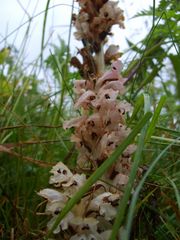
{"points": [[97, 132]]}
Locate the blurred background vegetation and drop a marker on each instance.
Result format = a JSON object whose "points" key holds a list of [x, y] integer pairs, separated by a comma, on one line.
{"points": [[32, 137]]}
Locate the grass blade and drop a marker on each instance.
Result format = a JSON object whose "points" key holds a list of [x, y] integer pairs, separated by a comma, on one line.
{"points": [[124, 201], [177, 193], [155, 117], [44, 28]]}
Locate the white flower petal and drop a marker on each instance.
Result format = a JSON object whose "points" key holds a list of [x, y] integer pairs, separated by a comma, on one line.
{"points": [[120, 180], [115, 85], [106, 235], [72, 186], [112, 53], [63, 225], [79, 86], [111, 75], [85, 99], [54, 208], [51, 194], [51, 223], [61, 174], [129, 150], [102, 204], [79, 237], [78, 223], [75, 122]]}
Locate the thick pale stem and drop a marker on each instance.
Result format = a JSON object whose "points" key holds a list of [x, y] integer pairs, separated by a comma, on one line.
{"points": [[99, 59]]}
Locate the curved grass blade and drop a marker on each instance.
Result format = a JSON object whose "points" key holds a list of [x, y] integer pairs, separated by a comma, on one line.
{"points": [[138, 155], [155, 117], [44, 28], [148, 79], [154, 12], [177, 193], [137, 107]]}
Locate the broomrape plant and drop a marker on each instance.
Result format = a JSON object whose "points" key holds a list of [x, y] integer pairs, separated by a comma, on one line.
{"points": [[97, 132]]}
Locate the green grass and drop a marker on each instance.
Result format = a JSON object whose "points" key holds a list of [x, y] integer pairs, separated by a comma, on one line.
{"points": [[32, 137]]}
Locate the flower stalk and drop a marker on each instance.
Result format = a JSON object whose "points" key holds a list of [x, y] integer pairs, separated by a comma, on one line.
{"points": [[97, 132]]}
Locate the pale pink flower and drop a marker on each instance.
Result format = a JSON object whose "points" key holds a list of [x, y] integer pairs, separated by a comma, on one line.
{"points": [[75, 122], [113, 13], [115, 85], [107, 144], [107, 94], [52, 195], [113, 115], [129, 150], [54, 208], [106, 235], [111, 75], [61, 175], [123, 166], [63, 225], [56, 201], [92, 236], [124, 107], [85, 99], [105, 98], [85, 236], [94, 124], [80, 86], [79, 223], [74, 184], [104, 205], [81, 25], [120, 180], [111, 53]]}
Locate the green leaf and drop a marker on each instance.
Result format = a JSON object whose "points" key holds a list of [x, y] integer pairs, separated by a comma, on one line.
{"points": [[133, 46]]}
